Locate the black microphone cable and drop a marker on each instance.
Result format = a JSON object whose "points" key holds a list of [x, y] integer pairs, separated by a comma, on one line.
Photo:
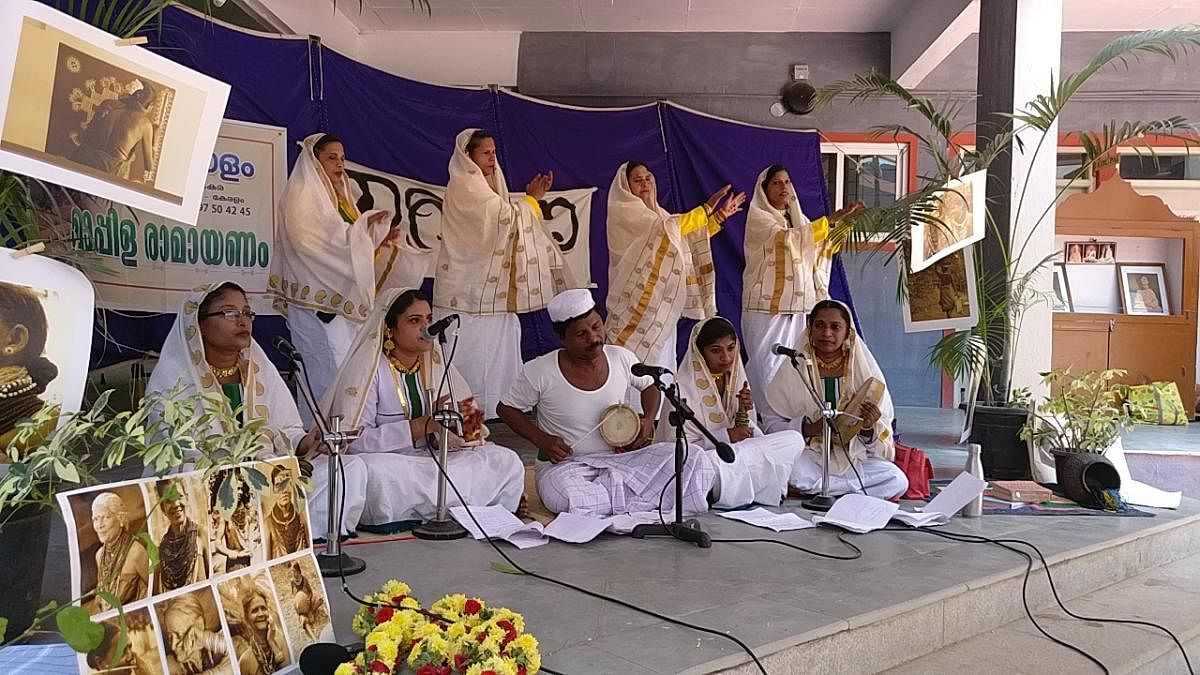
{"points": [[579, 589], [1010, 544], [833, 556]]}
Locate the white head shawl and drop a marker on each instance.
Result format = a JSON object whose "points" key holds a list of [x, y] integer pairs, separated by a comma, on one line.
{"points": [[264, 394], [790, 394], [347, 394], [784, 273], [496, 256], [644, 243], [698, 387], [321, 262]]}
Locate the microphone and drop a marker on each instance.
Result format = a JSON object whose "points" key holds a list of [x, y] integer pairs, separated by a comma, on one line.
{"points": [[286, 348], [725, 452], [323, 658], [438, 327], [643, 369], [780, 350]]}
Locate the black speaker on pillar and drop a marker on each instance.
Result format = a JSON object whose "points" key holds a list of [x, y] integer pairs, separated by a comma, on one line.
{"points": [[797, 97]]}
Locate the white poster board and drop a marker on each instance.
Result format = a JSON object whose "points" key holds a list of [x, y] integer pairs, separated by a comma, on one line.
{"points": [[119, 122]]}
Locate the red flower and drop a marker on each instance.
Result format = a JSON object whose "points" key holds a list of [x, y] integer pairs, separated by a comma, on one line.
{"points": [[372, 648], [380, 667], [505, 624], [481, 636], [488, 672], [460, 662], [384, 614], [444, 670], [472, 606], [398, 599], [521, 670], [427, 669]]}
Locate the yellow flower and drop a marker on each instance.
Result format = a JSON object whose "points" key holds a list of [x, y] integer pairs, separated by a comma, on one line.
{"points": [[385, 648], [428, 630], [526, 643], [393, 588], [345, 669], [456, 631]]}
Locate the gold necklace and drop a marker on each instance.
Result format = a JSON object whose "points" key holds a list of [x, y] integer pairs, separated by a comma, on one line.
{"points": [[222, 373], [833, 364], [14, 381], [407, 370]]}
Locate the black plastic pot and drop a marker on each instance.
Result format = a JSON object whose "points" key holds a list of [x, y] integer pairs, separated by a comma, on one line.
{"points": [[1084, 474], [24, 540], [997, 430]]}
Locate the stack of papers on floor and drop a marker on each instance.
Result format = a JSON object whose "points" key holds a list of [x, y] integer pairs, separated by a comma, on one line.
{"points": [[948, 502], [761, 517], [499, 523]]}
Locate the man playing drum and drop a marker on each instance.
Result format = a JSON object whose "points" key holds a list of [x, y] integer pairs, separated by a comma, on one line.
{"points": [[574, 390]]}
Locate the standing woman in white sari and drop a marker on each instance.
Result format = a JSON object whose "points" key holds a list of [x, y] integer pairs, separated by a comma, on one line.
{"points": [[660, 266], [788, 261], [330, 260], [712, 381], [389, 387], [497, 260], [210, 349], [836, 364]]}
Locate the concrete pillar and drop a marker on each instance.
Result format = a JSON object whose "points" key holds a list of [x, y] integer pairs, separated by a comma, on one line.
{"points": [[1019, 49]]}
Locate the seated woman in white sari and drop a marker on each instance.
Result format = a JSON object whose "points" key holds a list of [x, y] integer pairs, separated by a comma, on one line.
{"points": [[387, 387], [712, 380], [210, 349], [837, 364], [660, 265]]}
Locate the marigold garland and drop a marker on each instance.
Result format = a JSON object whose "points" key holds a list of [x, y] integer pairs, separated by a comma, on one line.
{"points": [[457, 635]]}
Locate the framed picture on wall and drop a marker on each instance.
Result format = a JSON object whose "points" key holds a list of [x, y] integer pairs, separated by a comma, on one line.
{"points": [[1091, 251], [959, 219], [1060, 301], [1143, 289]]}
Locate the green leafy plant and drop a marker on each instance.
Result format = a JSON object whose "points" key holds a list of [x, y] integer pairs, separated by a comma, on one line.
{"points": [[1084, 413], [1006, 292], [166, 431]]}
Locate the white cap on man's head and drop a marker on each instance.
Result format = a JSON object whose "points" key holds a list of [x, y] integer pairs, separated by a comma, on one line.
{"points": [[570, 304]]}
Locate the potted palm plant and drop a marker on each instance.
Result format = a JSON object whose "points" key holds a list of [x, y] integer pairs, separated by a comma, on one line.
{"points": [[1007, 291], [1080, 419]]}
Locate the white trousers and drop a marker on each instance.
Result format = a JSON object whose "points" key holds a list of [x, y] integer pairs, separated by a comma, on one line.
{"points": [[404, 486], [760, 471], [760, 332], [607, 484], [323, 346], [355, 489], [488, 354], [881, 478]]}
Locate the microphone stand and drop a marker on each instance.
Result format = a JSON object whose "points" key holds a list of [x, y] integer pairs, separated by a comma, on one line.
{"points": [[442, 527], [683, 530], [333, 562], [822, 501]]}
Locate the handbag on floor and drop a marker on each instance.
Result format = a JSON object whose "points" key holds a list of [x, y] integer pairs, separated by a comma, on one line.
{"points": [[916, 465]]}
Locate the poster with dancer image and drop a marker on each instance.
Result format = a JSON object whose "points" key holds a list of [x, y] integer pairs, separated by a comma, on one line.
{"points": [[235, 591], [943, 296], [960, 220], [80, 110], [45, 306]]}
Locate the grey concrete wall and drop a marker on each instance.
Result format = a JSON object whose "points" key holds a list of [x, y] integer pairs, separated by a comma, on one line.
{"points": [[738, 75], [734, 75]]}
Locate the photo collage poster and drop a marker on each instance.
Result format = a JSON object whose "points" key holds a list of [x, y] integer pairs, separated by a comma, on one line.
{"points": [[234, 592]]}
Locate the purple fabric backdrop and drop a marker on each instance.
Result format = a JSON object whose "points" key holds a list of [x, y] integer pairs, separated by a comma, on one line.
{"points": [[407, 128]]}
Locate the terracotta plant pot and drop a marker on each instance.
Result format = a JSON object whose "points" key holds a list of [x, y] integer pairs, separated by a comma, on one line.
{"points": [[1081, 474]]}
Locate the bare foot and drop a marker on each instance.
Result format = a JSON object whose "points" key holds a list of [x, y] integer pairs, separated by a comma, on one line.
{"points": [[523, 508]]}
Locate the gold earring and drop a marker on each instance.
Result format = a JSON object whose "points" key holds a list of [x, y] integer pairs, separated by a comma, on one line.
{"points": [[10, 350], [388, 345]]}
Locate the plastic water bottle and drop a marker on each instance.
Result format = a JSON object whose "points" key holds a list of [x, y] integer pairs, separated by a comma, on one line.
{"points": [[974, 508]]}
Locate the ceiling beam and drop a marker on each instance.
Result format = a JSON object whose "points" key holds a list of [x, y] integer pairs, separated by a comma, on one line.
{"points": [[927, 34]]}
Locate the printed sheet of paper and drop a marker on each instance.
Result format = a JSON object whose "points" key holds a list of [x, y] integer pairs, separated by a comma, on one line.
{"points": [[499, 523], [948, 502], [858, 513], [216, 568], [761, 517]]}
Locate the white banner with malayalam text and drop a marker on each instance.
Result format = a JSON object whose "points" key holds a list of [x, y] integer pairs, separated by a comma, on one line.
{"points": [[150, 264]]}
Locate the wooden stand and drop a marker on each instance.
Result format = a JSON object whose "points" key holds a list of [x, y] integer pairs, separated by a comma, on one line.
{"points": [[1154, 348]]}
